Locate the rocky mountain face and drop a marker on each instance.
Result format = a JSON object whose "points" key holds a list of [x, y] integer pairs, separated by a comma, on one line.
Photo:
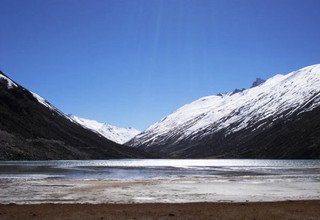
{"points": [[113, 133], [33, 129], [277, 118]]}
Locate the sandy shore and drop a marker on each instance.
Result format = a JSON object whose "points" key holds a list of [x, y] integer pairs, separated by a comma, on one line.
{"points": [[253, 210]]}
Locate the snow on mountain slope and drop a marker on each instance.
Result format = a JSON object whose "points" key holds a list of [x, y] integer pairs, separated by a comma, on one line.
{"points": [[47, 104], [10, 83], [277, 97], [43, 101], [118, 135], [33, 129]]}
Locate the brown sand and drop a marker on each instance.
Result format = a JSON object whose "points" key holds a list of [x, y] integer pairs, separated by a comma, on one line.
{"points": [[255, 210]]}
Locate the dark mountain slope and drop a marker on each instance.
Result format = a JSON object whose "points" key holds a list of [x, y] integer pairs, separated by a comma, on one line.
{"points": [[31, 130]]}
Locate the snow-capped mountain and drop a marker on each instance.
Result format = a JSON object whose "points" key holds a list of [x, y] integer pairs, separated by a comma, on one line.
{"points": [[113, 133], [10, 84], [271, 116], [33, 129], [116, 134]]}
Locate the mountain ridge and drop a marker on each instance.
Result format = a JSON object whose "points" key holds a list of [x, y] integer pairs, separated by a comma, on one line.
{"points": [[213, 120], [33, 129], [111, 132], [274, 119]]}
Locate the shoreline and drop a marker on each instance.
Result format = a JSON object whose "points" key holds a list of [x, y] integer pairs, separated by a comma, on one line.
{"points": [[177, 190], [300, 209]]}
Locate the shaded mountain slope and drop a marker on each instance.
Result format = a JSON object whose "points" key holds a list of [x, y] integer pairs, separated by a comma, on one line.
{"points": [[33, 129]]}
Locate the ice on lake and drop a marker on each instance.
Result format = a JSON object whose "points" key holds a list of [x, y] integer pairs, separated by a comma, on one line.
{"points": [[130, 181]]}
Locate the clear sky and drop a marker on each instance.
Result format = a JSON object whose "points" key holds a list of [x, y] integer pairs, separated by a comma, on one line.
{"points": [[132, 62]]}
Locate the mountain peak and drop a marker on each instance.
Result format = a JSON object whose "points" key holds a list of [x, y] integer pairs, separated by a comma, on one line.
{"points": [[10, 83], [116, 134], [32, 129], [210, 125], [257, 82]]}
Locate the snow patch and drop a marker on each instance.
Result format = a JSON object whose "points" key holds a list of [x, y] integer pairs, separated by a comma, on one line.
{"points": [[10, 83], [43, 101], [113, 133]]}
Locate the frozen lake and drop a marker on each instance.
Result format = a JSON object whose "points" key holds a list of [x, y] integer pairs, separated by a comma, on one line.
{"points": [[129, 181]]}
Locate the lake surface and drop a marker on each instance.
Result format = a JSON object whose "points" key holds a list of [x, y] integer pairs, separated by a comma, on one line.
{"points": [[162, 180]]}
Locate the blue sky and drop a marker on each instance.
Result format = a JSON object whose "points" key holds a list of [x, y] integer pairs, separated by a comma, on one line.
{"points": [[132, 62]]}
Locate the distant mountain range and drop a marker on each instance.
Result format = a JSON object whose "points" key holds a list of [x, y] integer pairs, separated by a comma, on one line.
{"points": [[113, 133], [276, 118], [33, 129]]}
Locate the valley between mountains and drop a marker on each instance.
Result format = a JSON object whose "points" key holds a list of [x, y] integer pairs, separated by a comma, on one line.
{"points": [[278, 118]]}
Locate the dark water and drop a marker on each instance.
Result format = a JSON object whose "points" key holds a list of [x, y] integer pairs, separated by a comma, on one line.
{"points": [[146, 169]]}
